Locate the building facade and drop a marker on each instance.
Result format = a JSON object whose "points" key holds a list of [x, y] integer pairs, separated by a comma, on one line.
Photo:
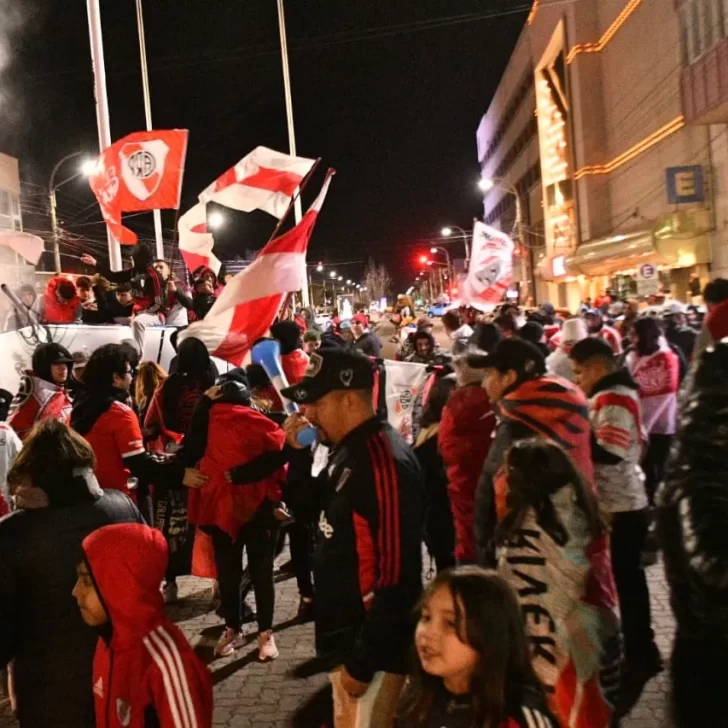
{"points": [[619, 185]]}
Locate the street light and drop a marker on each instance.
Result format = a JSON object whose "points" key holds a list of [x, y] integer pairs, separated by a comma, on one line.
{"points": [[340, 278], [215, 220], [87, 168], [319, 268], [486, 184], [348, 282], [449, 230]]}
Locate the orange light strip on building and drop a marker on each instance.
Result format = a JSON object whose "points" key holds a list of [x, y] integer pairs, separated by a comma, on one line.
{"points": [[642, 146], [597, 46], [534, 10]]}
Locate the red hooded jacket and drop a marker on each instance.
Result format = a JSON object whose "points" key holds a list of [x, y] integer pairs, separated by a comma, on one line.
{"points": [[54, 310], [236, 435], [147, 670], [466, 432]]}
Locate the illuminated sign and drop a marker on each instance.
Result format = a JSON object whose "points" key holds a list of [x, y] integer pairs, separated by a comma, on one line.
{"points": [[558, 266], [685, 184]]}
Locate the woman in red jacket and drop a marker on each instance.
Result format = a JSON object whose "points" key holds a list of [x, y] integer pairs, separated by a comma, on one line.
{"points": [[226, 430], [145, 672]]}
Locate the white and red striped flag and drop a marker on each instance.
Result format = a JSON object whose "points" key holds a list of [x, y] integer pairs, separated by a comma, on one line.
{"points": [[195, 242], [250, 301], [263, 180]]}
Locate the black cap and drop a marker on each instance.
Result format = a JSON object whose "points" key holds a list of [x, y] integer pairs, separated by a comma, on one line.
{"points": [[329, 370], [511, 354]]}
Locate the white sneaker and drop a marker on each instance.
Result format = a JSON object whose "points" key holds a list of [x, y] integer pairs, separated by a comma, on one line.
{"points": [[170, 592], [267, 649], [229, 642]]}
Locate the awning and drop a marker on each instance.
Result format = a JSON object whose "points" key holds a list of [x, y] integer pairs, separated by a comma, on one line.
{"points": [[677, 240]]}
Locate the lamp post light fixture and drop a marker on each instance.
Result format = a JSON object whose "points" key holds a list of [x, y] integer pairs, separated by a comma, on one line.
{"points": [[215, 221], [450, 230]]}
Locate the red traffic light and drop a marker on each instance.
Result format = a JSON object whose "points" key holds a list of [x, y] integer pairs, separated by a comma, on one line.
{"points": [[424, 259]]}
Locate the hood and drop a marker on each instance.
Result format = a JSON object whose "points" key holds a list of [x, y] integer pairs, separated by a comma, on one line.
{"points": [[47, 354], [193, 359], [204, 272], [717, 321], [553, 408], [128, 562], [621, 378], [142, 257], [288, 335], [54, 283], [88, 406]]}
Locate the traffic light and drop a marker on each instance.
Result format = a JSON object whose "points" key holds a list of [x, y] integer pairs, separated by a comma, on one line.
{"points": [[424, 260]]}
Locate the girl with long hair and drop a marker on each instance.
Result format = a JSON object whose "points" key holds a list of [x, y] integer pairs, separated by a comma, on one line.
{"points": [[553, 549], [473, 666], [149, 377]]}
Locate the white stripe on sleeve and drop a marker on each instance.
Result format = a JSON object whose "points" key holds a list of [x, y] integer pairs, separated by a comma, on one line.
{"points": [[167, 684], [186, 695]]}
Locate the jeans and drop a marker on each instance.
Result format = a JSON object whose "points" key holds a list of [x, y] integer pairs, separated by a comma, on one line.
{"points": [[629, 530], [654, 462], [299, 535], [139, 325], [258, 540]]}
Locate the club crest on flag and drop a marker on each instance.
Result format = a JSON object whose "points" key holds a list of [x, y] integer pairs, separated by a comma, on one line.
{"points": [[142, 166]]}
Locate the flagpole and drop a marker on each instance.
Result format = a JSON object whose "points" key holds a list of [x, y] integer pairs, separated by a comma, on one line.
{"points": [[158, 237], [102, 105], [289, 114]]}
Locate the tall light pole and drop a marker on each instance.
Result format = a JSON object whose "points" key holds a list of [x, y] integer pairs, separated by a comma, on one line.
{"points": [[488, 183], [447, 231], [289, 114], [52, 187], [158, 237], [102, 105]]}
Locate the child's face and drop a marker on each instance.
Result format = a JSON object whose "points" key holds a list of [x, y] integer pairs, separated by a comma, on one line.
{"points": [[441, 651], [92, 610]]}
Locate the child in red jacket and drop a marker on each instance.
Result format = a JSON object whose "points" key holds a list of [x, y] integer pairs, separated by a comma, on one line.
{"points": [[145, 672]]}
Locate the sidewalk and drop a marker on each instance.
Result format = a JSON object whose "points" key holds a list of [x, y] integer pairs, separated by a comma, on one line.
{"points": [[253, 695]]}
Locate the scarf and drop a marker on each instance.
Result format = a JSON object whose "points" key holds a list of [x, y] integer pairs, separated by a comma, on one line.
{"points": [[90, 405]]}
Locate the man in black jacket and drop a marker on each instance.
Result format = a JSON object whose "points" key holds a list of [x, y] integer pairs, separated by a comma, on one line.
{"points": [[368, 561]]}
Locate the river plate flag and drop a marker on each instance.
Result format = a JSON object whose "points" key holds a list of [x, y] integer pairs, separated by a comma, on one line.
{"points": [[142, 171], [250, 301]]}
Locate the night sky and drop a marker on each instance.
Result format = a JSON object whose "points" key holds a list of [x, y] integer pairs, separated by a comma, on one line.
{"points": [[389, 92]]}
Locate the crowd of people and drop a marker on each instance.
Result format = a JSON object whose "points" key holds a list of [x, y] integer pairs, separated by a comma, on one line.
{"points": [[539, 479]]}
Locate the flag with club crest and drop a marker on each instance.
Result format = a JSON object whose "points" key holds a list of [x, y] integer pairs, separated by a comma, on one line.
{"points": [[250, 301], [491, 266], [142, 171]]}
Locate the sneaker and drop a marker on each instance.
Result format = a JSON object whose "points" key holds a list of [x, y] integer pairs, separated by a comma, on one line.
{"points": [[228, 642], [305, 611], [170, 592], [267, 649]]}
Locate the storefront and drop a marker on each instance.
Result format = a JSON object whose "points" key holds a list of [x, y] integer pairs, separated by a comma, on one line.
{"points": [[672, 256]]}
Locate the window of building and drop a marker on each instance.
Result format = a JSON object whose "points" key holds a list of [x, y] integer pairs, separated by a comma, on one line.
{"points": [[708, 24], [695, 20], [684, 39], [5, 203], [720, 29]]}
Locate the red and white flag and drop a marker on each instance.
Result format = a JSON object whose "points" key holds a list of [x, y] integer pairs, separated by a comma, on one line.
{"points": [[250, 301], [491, 266], [195, 242], [142, 171], [263, 180]]}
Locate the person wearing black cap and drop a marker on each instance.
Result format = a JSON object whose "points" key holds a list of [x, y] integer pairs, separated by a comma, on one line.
{"points": [[368, 561], [529, 403], [42, 392]]}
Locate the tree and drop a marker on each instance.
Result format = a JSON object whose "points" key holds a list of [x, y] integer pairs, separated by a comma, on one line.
{"points": [[377, 280]]}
